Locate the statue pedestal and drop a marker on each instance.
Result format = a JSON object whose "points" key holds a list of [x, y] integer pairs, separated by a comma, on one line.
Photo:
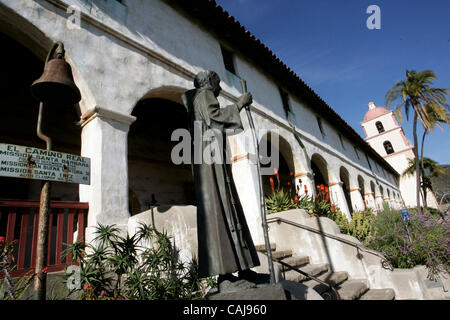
{"points": [[242, 289], [261, 289]]}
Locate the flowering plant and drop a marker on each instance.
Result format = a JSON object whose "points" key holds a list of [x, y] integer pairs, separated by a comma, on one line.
{"points": [[426, 241]]}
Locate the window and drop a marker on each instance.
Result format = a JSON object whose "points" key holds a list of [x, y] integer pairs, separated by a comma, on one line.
{"points": [[285, 101], [228, 60], [368, 162], [388, 147], [319, 123], [342, 141], [356, 152], [379, 126], [290, 116]]}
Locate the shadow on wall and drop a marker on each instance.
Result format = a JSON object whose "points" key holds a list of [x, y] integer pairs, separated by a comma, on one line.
{"points": [[178, 221]]}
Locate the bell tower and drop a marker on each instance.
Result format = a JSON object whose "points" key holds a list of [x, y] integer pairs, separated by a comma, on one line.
{"points": [[386, 136]]}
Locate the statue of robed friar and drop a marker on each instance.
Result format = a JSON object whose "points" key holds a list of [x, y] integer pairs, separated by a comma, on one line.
{"points": [[224, 241]]}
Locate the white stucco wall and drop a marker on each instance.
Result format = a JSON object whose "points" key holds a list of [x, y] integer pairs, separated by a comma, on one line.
{"points": [[123, 53]]}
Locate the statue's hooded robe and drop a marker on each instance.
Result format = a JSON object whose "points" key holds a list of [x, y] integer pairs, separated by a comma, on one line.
{"points": [[224, 241]]}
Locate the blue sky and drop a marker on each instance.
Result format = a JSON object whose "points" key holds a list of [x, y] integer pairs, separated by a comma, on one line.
{"points": [[327, 43]]}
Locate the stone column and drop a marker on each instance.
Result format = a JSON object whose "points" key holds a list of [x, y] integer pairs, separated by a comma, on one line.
{"points": [[357, 199], [303, 179], [245, 176], [379, 202], [388, 201], [370, 200], [104, 140], [337, 197]]}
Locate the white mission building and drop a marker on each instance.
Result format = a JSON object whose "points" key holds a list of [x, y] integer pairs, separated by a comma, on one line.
{"points": [[132, 60]]}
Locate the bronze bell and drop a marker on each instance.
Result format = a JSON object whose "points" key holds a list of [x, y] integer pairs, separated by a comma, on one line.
{"points": [[56, 85]]}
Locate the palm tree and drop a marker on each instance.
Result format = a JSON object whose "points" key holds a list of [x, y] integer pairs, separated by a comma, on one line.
{"points": [[416, 92], [436, 116], [433, 169]]}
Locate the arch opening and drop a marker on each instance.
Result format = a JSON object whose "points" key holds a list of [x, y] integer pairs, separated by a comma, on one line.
{"points": [[345, 178], [152, 175], [388, 147], [379, 126], [319, 168], [19, 121], [361, 188], [285, 163]]}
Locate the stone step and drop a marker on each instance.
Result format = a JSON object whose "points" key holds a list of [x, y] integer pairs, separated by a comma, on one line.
{"points": [[332, 278], [282, 254], [294, 261], [379, 294], [262, 247], [311, 269], [352, 289]]}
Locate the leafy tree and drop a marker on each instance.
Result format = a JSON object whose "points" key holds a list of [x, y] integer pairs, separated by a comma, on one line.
{"points": [[416, 92], [433, 168]]}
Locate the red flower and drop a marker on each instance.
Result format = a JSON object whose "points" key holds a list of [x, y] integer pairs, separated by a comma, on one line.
{"points": [[289, 184], [306, 189], [102, 293], [292, 174], [272, 184], [327, 197], [45, 270], [2, 239], [296, 198], [333, 207], [326, 189], [87, 286]]}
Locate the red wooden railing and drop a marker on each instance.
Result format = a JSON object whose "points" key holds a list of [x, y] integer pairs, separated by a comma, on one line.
{"points": [[19, 221]]}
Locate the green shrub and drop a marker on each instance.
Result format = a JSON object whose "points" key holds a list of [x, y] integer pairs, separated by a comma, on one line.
{"points": [[342, 222], [425, 242], [360, 226], [142, 267]]}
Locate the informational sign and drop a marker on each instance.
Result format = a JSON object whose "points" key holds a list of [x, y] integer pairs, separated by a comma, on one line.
{"points": [[405, 215], [32, 163]]}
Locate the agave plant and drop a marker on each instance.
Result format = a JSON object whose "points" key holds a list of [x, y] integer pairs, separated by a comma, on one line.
{"points": [[141, 267], [280, 200]]}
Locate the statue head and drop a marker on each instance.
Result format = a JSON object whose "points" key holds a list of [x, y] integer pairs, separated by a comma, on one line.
{"points": [[209, 80]]}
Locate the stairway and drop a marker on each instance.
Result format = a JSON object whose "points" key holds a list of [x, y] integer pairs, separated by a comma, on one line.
{"points": [[348, 289]]}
